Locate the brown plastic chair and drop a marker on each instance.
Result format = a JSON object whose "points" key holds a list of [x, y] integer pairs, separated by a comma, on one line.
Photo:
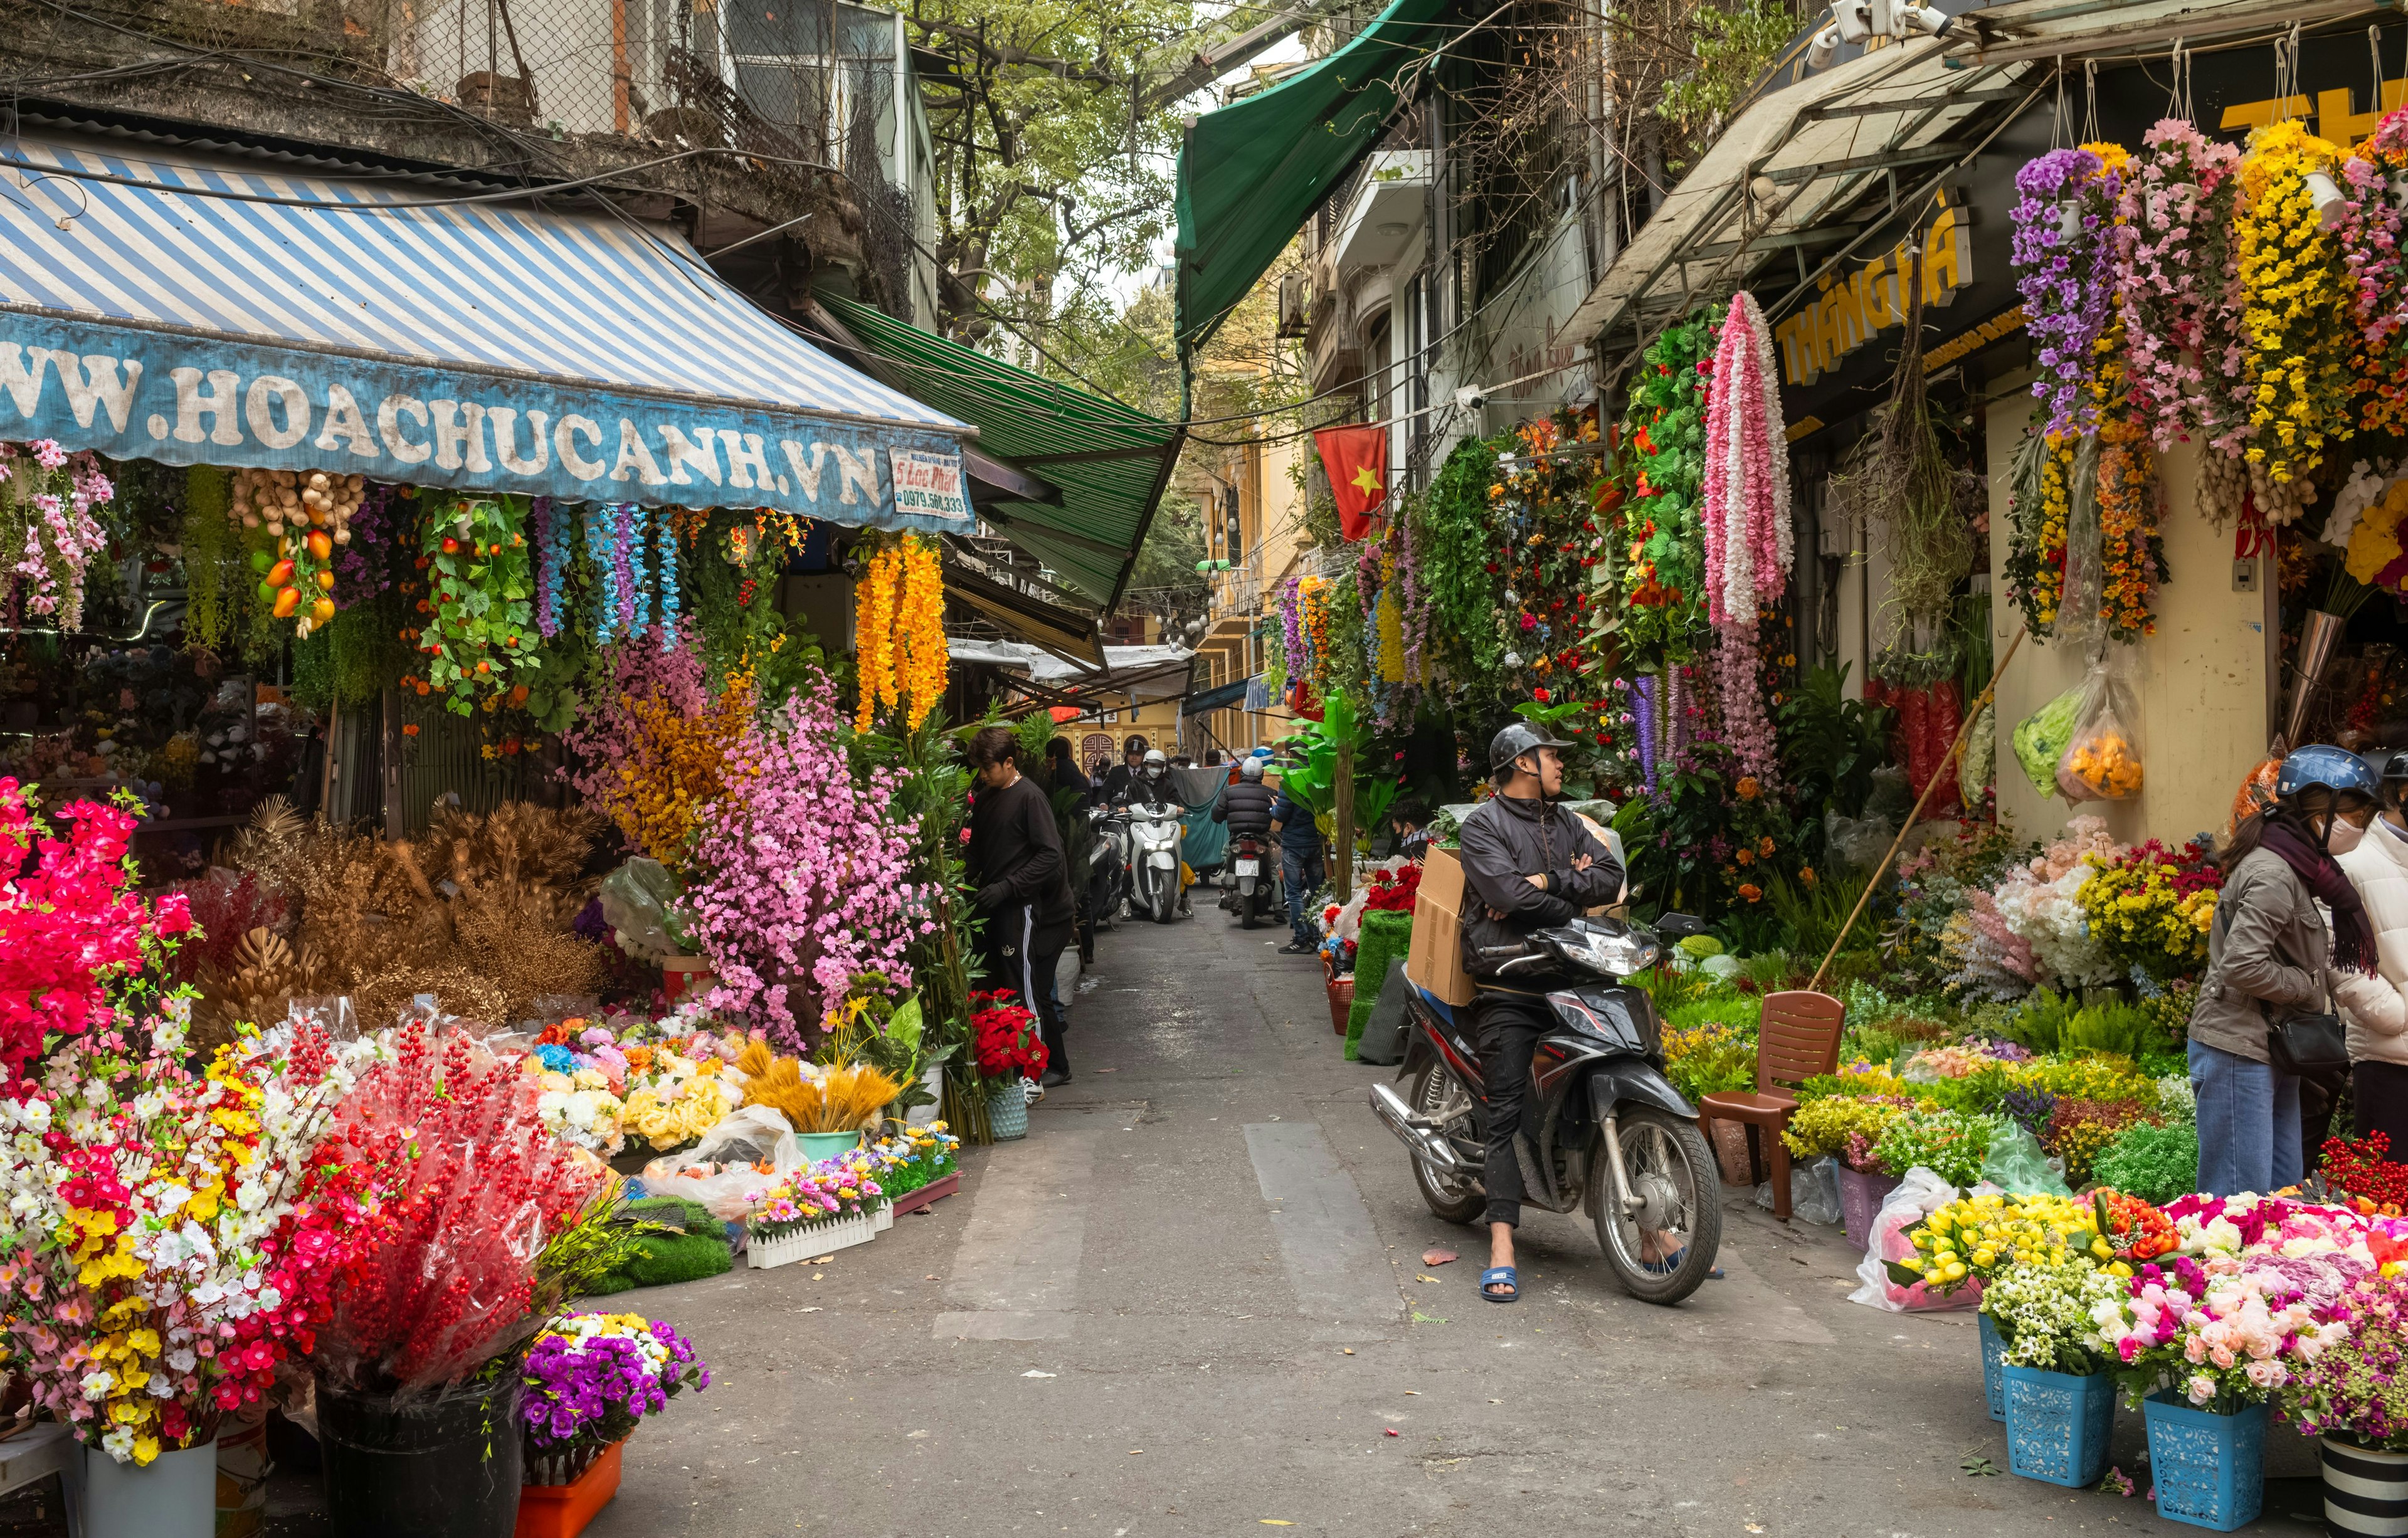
{"points": [[1797, 1038]]}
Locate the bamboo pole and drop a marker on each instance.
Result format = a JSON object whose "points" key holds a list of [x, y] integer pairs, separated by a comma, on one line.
{"points": [[1965, 727]]}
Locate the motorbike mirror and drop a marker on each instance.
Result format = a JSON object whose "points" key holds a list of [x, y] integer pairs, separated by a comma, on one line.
{"points": [[1680, 926]]}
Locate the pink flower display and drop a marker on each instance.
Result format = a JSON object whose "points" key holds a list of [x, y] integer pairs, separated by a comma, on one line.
{"points": [[2179, 292], [1746, 523], [806, 875]]}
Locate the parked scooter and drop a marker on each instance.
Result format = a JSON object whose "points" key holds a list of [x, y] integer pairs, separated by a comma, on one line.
{"points": [[1155, 826], [1108, 863], [1601, 1126], [1254, 872]]}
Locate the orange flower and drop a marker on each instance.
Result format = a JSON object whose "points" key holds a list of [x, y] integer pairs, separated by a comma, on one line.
{"points": [[411, 730], [1806, 874], [1751, 891], [1745, 857], [1764, 845], [1748, 788]]}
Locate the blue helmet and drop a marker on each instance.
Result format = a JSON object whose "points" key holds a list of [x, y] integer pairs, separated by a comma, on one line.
{"points": [[2336, 769]]}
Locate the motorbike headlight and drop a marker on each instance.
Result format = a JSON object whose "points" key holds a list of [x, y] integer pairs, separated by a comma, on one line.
{"points": [[1617, 952]]}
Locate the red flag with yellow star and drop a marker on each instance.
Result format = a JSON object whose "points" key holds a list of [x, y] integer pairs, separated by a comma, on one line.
{"points": [[1356, 459]]}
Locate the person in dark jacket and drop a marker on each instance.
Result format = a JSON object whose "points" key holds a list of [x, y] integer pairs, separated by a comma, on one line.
{"points": [[1527, 865], [1016, 865], [1122, 775], [1303, 869], [1245, 803], [1408, 825], [1062, 769]]}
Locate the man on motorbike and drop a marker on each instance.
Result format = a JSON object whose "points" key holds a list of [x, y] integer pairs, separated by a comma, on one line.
{"points": [[1245, 806], [1529, 866], [1122, 775]]}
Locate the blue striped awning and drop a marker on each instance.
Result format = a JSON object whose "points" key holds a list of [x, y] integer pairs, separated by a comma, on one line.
{"points": [[194, 309]]}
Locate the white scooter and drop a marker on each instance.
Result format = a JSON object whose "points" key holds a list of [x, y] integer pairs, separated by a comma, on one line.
{"points": [[1155, 829]]}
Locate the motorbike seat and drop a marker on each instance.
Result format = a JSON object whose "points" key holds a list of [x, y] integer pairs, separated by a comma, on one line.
{"points": [[1438, 1007]]}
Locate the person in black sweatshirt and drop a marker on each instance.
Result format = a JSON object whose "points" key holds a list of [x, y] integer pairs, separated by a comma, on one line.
{"points": [[1016, 865]]}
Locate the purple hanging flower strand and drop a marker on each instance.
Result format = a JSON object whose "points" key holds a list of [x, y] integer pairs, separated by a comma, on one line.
{"points": [[2066, 276], [1642, 700]]}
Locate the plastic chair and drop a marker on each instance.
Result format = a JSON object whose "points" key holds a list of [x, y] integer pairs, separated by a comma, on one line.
{"points": [[1797, 1038]]}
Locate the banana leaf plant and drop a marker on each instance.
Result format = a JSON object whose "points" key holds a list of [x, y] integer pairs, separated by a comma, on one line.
{"points": [[1311, 776]]}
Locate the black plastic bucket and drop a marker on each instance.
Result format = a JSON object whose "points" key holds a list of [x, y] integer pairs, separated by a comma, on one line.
{"points": [[445, 1467]]}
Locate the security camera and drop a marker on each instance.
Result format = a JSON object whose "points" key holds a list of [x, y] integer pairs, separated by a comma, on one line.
{"points": [[1470, 397], [1826, 44]]}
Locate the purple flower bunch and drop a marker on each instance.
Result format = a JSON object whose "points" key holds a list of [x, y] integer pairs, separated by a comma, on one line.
{"points": [[1291, 604], [551, 565], [805, 876], [2065, 268], [591, 1377]]}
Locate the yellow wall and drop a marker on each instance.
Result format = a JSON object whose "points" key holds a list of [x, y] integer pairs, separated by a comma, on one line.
{"points": [[2200, 680]]}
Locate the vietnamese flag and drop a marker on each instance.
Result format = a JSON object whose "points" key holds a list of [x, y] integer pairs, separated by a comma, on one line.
{"points": [[1356, 459]]}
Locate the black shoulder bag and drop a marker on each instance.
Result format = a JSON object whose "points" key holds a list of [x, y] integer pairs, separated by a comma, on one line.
{"points": [[2302, 1046]]}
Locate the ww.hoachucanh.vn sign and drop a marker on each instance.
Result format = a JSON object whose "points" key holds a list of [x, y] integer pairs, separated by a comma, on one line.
{"points": [[146, 395]]}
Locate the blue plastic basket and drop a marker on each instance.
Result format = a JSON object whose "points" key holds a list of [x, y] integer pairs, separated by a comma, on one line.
{"points": [[2059, 1425], [1994, 1351], [2210, 1469]]}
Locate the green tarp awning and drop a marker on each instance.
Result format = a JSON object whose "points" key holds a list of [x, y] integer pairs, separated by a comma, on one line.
{"points": [[1110, 461], [1250, 173]]}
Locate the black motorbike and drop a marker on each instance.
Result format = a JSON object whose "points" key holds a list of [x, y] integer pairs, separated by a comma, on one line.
{"points": [[1601, 1127], [1254, 869], [1106, 879]]}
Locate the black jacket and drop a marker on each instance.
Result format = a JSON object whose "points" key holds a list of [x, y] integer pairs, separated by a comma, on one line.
{"points": [[1015, 853], [1507, 839], [1245, 806]]}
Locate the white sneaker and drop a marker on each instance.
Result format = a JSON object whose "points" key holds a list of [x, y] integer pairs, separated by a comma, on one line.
{"points": [[1033, 1091]]}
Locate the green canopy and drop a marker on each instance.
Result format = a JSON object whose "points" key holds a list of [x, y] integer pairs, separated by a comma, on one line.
{"points": [[1250, 173], [1110, 462]]}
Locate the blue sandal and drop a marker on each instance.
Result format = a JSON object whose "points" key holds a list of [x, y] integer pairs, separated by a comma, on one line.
{"points": [[1671, 1263], [1506, 1274]]}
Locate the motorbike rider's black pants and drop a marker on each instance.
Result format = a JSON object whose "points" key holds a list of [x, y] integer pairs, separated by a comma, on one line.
{"points": [[1510, 1026]]}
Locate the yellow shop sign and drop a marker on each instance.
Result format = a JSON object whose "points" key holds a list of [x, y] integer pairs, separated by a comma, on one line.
{"points": [[1855, 307]]}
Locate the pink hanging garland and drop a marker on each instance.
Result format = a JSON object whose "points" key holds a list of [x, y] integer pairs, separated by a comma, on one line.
{"points": [[1749, 544]]}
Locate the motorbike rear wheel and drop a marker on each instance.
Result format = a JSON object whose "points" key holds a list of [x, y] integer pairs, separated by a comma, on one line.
{"points": [[1454, 1198], [1246, 913], [1674, 1173]]}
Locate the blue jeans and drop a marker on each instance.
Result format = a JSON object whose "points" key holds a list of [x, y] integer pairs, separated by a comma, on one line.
{"points": [[2248, 1123], [1302, 874]]}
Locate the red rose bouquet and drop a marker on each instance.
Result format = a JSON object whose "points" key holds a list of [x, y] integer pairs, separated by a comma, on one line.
{"points": [[1005, 1039]]}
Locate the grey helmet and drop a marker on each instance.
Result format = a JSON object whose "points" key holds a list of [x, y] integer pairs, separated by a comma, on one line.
{"points": [[1515, 740]]}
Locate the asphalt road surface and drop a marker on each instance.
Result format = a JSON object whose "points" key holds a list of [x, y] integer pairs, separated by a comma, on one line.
{"points": [[1193, 1302]]}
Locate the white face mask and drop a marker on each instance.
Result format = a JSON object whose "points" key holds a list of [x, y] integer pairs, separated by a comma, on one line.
{"points": [[2343, 837]]}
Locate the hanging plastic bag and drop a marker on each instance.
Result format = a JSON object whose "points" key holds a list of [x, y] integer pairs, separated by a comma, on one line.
{"points": [[2256, 794], [2103, 759], [1974, 766], [2039, 740], [636, 903], [1919, 1195], [2016, 1164]]}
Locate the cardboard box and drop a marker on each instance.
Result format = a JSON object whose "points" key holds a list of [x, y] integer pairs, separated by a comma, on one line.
{"points": [[1434, 962]]}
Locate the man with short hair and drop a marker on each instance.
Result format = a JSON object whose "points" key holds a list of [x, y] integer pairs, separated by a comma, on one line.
{"points": [[1122, 775], [1528, 864], [1015, 863]]}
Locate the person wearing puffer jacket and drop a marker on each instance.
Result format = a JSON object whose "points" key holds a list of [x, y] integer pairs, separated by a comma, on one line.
{"points": [[2375, 1009]]}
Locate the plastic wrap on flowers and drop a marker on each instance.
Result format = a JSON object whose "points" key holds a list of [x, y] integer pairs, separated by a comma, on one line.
{"points": [[2102, 758], [475, 1189]]}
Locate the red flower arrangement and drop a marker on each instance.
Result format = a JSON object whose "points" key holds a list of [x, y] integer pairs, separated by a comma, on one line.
{"points": [[2363, 1172], [69, 925], [474, 1187], [1394, 892], [1004, 1037]]}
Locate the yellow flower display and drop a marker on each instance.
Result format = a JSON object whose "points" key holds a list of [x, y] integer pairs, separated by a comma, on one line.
{"points": [[2299, 320], [1976, 1237], [2136, 907], [900, 654], [2374, 543], [674, 765]]}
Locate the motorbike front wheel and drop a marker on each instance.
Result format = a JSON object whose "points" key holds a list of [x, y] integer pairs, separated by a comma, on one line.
{"points": [[1679, 1218], [1165, 899], [1453, 1198]]}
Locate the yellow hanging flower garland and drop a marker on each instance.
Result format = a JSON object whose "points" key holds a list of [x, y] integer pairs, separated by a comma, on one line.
{"points": [[2299, 320], [900, 646], [873, 629]]}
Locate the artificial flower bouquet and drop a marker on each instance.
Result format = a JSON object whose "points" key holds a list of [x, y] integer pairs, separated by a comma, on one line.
{"points": [[912, 1157], [1846, 1128], [1005, 1043], [1981, 1237], [2048, 1315], [2223, 1341], [590, 1379], [816, 1193], [2354, 1387], [170, 1238], [479, 1197]]}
